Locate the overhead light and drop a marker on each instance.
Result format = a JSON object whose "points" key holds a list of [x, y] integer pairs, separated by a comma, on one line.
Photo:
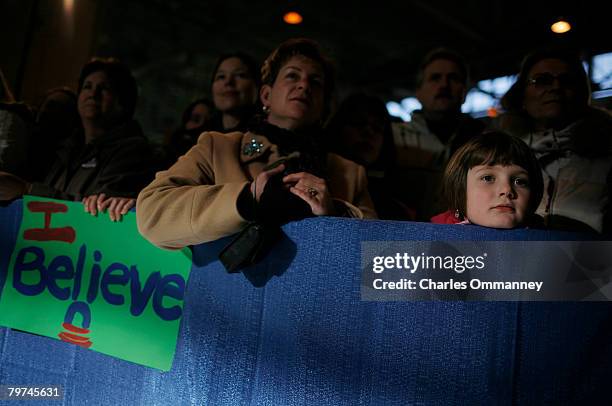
{"points": [[560, 27], [293, 18], [68, 6]]}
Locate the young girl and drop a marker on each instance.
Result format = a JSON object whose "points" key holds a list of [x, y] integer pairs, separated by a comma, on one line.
{"points": [[493, 180]]}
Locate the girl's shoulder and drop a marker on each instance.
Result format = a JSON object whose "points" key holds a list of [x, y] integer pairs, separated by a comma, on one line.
{"points": [[448, 217]]}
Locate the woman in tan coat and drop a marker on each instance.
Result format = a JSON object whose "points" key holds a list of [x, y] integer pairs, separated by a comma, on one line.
{"points": [[273, 173]]}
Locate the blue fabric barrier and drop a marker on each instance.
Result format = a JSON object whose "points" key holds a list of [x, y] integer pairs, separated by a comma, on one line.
{"points": [[306, 338]]}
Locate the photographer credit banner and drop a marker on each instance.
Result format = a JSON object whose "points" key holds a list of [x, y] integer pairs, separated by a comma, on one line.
{"points": [[94, 283], [486, 270]]}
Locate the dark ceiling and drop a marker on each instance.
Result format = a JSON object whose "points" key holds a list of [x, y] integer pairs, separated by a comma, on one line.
{"points": [[376, 45], [172, 45]]}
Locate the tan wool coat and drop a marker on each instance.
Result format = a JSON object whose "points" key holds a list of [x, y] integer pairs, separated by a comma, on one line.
{"points": [[194, 201]]}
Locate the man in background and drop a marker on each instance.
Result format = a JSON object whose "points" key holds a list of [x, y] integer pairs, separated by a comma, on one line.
{"points": [[425, 144]]}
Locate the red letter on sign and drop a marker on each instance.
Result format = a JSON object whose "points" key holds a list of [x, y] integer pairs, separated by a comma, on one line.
{"points": [[66, 234]]}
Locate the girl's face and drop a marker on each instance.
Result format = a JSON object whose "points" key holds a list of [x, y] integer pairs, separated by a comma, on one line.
{"points": [[498, 196], [233, 86]]}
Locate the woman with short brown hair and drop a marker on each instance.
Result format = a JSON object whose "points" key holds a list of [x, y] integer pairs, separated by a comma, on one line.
{"points": [[273, 173]]}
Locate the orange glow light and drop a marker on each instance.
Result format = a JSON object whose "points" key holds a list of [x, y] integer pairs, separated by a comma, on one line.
{"points": [[560, 27], [68, 7], [292, 18]]}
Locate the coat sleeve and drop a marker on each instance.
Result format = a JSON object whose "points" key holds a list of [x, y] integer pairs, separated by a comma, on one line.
{"points": [[130, 168], [44, 190], [183, 205]]}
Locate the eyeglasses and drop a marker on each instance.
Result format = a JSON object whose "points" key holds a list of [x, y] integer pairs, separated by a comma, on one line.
{"points": [[547, 79]]}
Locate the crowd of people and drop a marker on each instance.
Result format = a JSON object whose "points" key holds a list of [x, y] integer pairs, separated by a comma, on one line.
{"points": [[268, 147]]}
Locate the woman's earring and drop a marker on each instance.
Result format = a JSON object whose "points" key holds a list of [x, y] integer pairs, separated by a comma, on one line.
{"points": [[457, 214], [266, 109]]}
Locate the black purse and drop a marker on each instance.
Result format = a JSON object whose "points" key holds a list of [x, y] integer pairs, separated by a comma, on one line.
{"points": [[277, 205], [249, 247]]}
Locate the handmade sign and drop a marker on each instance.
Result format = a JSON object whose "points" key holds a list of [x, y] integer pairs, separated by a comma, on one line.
{"points": [[94, 283]]}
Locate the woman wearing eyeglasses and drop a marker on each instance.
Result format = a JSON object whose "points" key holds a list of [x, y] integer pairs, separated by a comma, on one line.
{"points": [[549, 108]]}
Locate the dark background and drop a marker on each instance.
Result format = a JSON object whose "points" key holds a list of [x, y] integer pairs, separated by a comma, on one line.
{"points": [[172, 45]]}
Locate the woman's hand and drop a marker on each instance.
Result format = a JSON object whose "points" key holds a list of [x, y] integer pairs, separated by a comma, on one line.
{"points": [[117, 206], [312, 190], [259, 184], [90, 204], [12, 187]]}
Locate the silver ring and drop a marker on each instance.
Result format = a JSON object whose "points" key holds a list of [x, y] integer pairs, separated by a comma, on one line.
{"points": [[312, 191]]}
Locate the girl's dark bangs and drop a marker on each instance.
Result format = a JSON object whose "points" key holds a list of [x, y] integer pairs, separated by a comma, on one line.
{"points": [[490, 155]]}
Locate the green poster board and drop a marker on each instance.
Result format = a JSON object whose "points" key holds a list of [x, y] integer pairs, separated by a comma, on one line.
{"points": [[95, 283]]}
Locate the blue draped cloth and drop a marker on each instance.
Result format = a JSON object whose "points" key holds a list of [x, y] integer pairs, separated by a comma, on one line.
{"points": [[293, 331]]}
